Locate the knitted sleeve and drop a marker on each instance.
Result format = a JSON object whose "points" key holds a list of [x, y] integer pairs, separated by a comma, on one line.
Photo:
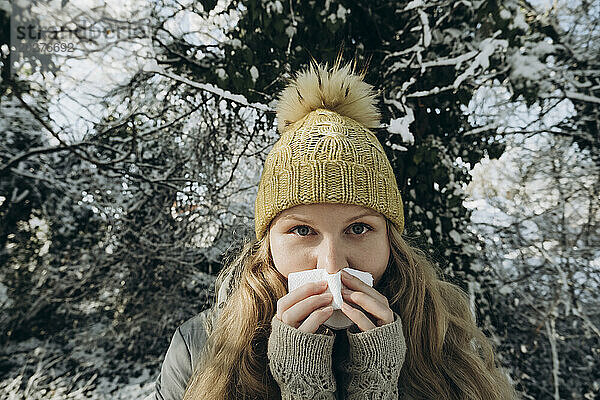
{"points": [[301, 362], [374, 363]]}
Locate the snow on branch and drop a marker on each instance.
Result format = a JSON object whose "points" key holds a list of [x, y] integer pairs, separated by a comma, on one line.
{"points": [[486, 48], [399, 126], [152, 66], [582, 97], [451, 61], [431, 92], [414, 4]]}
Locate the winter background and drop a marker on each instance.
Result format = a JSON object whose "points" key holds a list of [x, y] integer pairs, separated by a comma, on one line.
{"points": [[128, 171]]}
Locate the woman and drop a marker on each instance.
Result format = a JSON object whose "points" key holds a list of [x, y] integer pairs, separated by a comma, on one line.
{"points": [[328, 199]]}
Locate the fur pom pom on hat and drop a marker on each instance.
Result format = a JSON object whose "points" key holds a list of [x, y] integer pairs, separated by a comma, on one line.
{"points": [[326, 152], [338, 90]]}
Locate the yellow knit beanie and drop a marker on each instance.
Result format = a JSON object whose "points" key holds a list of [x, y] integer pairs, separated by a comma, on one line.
{"points": [[326, 152]]}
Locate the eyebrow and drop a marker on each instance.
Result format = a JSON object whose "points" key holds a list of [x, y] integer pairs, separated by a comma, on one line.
{"points": [[299, 218]]}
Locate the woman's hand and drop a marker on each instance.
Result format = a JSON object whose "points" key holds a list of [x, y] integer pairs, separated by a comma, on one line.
{"points": [[306, 307], [369, 299]]}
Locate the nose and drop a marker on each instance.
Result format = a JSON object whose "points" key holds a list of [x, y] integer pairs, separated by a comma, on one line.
{"points": [[331, 256]]}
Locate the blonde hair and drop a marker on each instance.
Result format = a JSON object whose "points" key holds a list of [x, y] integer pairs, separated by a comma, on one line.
{"points": [[448, 357]]}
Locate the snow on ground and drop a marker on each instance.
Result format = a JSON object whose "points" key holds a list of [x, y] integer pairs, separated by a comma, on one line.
{"points": [[75, 364], [36, 370]]}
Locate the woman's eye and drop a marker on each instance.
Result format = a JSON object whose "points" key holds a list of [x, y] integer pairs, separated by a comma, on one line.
{"points": [[300, 229], [360, 227], [357, 229]]}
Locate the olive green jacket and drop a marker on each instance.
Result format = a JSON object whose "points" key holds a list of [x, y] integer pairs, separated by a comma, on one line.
{"points": [[335, 365]]}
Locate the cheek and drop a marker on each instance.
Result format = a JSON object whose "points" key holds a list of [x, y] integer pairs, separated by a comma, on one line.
{"points": [[379, 259], [275, 251], [285, 258]]}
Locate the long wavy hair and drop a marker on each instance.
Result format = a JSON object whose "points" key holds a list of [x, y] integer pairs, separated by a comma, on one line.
{"points": [[448, 357]]}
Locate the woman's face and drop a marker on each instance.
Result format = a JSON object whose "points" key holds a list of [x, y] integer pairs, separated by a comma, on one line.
{"points": [[329, 236]]}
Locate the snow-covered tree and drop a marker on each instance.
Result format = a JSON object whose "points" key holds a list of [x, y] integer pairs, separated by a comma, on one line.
{"points": [[142, 199], [536, 208], [538, 212]]}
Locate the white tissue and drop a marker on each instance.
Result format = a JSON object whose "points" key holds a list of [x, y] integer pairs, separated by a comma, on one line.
{"points": [[338, 319]]}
